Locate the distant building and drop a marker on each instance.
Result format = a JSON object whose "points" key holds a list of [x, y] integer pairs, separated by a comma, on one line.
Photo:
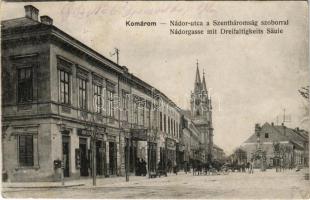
{"points": [[218, 153], [280, 145], [238, 157], [197, 128], [201, 113]]}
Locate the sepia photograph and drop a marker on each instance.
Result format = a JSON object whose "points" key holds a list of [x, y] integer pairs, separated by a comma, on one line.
{"points": [[155, 100]]}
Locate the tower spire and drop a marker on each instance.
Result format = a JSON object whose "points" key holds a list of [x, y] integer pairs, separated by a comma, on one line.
{"points": [[197, 86], [204, 87]]}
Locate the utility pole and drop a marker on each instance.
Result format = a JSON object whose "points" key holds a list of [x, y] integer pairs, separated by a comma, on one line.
{"points": [[94, 158], [127, 160], [116, 52], [283, 115]]}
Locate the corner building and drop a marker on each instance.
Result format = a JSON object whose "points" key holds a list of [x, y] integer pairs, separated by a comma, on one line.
{"points": [[57, 92]]}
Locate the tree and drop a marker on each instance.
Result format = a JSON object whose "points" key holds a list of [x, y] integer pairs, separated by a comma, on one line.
{"points": [[304, 92]]}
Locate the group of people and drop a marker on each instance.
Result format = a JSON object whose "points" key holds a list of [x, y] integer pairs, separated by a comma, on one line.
{"points": [[172, 167], [141, 167]]}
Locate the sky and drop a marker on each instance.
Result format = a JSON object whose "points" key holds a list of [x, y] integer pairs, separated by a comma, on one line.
{"points": [[251, 79]]}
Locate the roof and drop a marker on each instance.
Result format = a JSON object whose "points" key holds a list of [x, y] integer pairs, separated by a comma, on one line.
{"points": [[217, 147], [186, 113], [272, 132], [18, 22], [278, 133]]}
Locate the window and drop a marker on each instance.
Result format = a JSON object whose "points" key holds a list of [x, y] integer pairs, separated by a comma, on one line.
{"points": [[125, 103], [25, 88], [171, 126], [177, 129], [82, 93], [266, 135], [64, 80], [25, 147], [161, 121], [174, 132], [165, 124], [97, 98], [110, 98], [135, 112], [168, 125], [141, 117], [148, 117]]}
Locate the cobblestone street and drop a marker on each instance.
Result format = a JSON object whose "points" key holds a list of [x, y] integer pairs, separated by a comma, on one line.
{"points": [[284, 185]]}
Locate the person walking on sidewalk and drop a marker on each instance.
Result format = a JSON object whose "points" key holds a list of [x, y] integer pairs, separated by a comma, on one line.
{"points": [[175, 168]]}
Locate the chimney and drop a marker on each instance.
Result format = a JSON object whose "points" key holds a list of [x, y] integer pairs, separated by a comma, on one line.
{"points": [[31, 12], [297, 129], [272, 124], [46, 20], [125, 68]]}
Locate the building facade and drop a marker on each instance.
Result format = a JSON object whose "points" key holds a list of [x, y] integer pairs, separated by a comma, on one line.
{"points": [[277, 145], [64, 101], [201, 114]]}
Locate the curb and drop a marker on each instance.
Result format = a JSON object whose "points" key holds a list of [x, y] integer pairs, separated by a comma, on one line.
{"points": [[53, 186]]}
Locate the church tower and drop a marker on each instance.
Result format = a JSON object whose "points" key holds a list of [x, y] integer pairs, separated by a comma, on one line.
{"points": [[201, 113]]}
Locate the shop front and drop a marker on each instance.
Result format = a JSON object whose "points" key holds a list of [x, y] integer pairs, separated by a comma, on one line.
{"points": [[138, 157], [171, 153]]}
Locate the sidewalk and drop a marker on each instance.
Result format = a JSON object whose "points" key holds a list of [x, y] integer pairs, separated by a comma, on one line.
{"points": [[86, 182]]}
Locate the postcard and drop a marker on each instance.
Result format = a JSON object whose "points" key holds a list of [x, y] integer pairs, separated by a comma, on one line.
{"points": [[155, 100]]}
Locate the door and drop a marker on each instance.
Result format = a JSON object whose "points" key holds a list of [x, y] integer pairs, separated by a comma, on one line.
{"points": [[99, 157], [83, 157], [112, 157], [66, 154], [133, 156]]}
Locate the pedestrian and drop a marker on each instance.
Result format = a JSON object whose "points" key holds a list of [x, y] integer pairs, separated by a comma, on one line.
{"points": [[169, 165], [252, 166], [138, 167], [143, 168], [248, 166], [175, 168]]}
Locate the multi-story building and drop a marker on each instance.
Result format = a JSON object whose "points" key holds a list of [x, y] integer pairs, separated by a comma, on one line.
{"points": [[61, 100], [197, 129], [277, 145], [201, 114], [191, 141], [218, 153]]}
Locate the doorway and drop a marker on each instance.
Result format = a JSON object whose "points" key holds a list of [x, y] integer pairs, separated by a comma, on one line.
{"points": [[83, 156], [100, 152], [112, 157], [66, 154]]}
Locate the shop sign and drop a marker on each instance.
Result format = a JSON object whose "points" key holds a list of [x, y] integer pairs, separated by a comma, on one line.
{"points": [[83, 132], [181, 148], [139, 134], [171, 144], [111, 138]]}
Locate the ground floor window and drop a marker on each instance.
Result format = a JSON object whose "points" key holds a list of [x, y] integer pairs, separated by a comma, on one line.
{"points": [[25, 146]]}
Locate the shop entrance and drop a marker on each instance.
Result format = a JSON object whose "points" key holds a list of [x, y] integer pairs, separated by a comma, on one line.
{"points": [[133, 156], [83, 157], [113, 158], [100, 157], [66, 154], [152, 156]]}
